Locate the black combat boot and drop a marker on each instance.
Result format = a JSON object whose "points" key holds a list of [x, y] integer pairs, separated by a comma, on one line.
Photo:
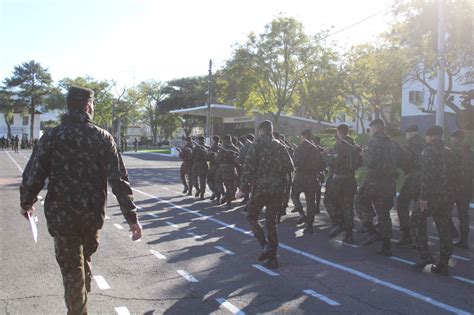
{"points": [[337, 228], [297, 209], [423, 262], [213, 196], [462, 243], [197, 193], [229, 205], [301, 220], [202, 197], [223, 200], [440, 269], [265, 254], [308, 229], [372, 236], [386, 249], [405, 240], [348, 238], [185, 190], [272, 262]]}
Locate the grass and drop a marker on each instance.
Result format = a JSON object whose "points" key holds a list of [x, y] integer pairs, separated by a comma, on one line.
{"points": [[160, 150]]}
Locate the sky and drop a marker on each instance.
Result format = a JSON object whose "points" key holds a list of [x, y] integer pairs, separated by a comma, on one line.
{"points": [[129, 41]]}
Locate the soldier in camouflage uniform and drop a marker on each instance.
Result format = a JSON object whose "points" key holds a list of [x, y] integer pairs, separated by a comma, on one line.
{"points": [[185, 154], [250, 138], [410, 190], [200, 167], [464, 157], [439, 176], [266, 167], [213, 166], [309, 163], [342, 184], [227, 160], [287, 193], [378, 189], [78, 158]]}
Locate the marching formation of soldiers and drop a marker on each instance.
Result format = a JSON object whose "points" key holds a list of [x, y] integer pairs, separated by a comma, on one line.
{"points": [[267, 170], [15, 143]]}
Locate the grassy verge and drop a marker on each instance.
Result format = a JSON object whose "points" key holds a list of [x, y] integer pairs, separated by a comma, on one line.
{"points": [[160, 150]]}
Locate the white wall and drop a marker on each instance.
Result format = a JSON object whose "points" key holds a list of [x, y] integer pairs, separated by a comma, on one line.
{"points": [[17, 128]]}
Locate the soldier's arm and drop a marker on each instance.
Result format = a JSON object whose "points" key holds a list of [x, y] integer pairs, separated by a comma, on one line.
{"points": [[249, 168], [427, 171], [373, 154], [35, 173], [117, 177]]}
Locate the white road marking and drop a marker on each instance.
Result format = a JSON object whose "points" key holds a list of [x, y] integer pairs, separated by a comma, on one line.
{"points": [[40, 197], [107, 217], [187, 276], [101, 283], [229, 306], [153, 215], [224, 250], [461, 257], [408, 262], [122, 310], [157, 254], [17, 165], [351, 245], [195, 235], [172, 224], [433, 237], [23, 156], [464, 279], [326, 262], [266, 270], [118, 226], [323, 298]]}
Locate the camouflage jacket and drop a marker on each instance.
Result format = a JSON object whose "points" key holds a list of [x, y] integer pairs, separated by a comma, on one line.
{"points": [[227, 160], [243, 152], [465, 158], [440, 173], [344, 163], [413, 150], [308, 161], [186, 154], [266, 166], [78, 158]]}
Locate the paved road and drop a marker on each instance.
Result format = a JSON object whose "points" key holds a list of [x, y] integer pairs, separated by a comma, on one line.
{"points": [[199, 258]]}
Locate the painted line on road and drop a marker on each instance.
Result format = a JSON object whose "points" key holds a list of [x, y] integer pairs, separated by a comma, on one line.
{"points": [[463, 279], [408, 262], [195, 235], [17, 165], [351, 245], [118, 226], [107, 217], [101, 283], [229, 306], [172, 224], [326, 262], [323, 298], [122, 310], [266, 270], [23, 156], [187, 276], [461, 257], [157, 254], [224, 250]]}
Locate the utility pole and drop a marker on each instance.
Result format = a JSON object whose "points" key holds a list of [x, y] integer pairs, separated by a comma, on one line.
{"points": [[441, 61], [209, 116]]}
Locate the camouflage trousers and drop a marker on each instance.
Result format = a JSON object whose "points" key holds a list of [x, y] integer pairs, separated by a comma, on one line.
{"points": [[185, 174], [369, 205], [227, 182], [409, 191], [212, 179], [340, 205], [198, 175], [73, 254], [309, 188], [441, 213], [272, 202], [462, 207]]}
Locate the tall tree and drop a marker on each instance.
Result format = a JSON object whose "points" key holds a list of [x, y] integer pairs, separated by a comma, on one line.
{"points": [[153, 95], [31, 82], [7, 108]]}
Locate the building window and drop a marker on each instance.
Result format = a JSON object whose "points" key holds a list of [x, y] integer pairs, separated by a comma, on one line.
{"points": [[415, 97], [25, 120]]}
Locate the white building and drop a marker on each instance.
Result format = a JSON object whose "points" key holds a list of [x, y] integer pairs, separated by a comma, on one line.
{"points": [[20, 125]]}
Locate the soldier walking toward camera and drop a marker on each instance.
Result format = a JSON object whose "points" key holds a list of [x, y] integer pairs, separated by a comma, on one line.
{"points": [[439, 176], [346, 159], [227, 161], [213, 166], [410, 190], [250, 138], [185, 154], [266, 169], [78, 158], [465, 158], [309, 163], [377, 192], [200, 167]]}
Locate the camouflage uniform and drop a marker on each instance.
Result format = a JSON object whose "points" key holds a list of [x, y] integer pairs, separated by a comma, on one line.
{"points": [[213, 166], [265, 168], [199, 169], [78, 158], [377, 192], [438, 167], [341, 185], [185, 171], [411, 187], [309, 163], [227, 161]]}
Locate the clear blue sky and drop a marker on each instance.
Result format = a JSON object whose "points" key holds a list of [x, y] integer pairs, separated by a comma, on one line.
{"points": [[125, 40]]}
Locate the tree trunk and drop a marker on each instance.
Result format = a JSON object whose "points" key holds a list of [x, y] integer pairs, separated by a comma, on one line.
{"points": [[32, 118], [9, 128]]}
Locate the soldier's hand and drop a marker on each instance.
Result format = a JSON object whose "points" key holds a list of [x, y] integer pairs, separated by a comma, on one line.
{"points": [[24, 212], [136, 231], [239, 194], [423, 205]]}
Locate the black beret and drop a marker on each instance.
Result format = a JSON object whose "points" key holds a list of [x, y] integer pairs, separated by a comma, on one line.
{"points": [[267, 124], [200, 138], [306, 132], [412, 128], [377, 122], [80, 93], [343, 128], [457, 133], [435, 131]]}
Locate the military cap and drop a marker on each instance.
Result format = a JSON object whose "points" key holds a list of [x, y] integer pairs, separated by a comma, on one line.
{"points": [[435, 131], [343, 128], [412, 128], [200, 138], [377, 122], [266, 124], [306, 132], [457, 133], [80, 93]]}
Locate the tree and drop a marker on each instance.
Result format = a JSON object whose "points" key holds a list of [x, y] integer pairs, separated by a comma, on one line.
{"points": [[7, 107], [153, 95], [268, 68], [30, 82]]}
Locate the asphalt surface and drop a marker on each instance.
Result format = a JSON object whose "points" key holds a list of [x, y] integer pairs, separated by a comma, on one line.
{"points": [[198, 258]]}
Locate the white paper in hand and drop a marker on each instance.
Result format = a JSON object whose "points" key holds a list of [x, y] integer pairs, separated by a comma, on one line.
{"points": [[34, 228]]}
